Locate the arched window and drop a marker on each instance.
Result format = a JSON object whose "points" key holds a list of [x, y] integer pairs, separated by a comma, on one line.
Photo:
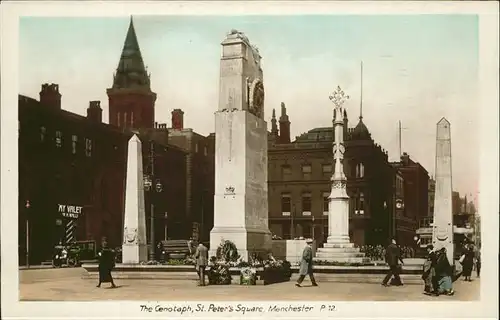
{"points": [[132, 119], [360, 170], [118, 120], [125, 120]]}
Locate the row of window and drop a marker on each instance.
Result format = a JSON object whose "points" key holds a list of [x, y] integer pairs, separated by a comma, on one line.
{"points": [[306, 203], [327, 169], [125, 122], [74, 141]]}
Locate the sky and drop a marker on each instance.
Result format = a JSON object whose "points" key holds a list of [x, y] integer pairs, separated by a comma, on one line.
{"points": [[416, 69]]}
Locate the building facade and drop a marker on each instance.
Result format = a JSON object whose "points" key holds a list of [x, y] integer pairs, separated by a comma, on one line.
{"points": [[200, 175], [299, 174], [79, 163], [416, 197]]}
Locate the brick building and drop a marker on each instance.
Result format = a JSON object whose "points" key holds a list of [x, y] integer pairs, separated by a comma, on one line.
{"points": [[299, 183], [200, 175], [416, 197], [68, 159]]}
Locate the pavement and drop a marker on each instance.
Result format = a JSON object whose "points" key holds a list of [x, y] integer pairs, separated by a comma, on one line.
{"points": [[67, 285]]}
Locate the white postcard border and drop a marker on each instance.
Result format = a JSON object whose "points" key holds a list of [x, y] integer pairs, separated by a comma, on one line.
{"points": [[488, 198]]}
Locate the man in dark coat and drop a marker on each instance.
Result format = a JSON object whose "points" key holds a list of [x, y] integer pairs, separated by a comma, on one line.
{"points": [[106, 264], [201, 256], [392, 257], [306, 265]]}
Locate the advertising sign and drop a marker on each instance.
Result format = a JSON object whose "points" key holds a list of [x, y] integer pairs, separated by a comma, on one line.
{"points": [[70, 211]]}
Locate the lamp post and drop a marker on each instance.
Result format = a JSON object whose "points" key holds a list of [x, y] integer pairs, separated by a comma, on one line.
{"points": [[148, 186], [28, 206], [313, 227], [292, 223]]}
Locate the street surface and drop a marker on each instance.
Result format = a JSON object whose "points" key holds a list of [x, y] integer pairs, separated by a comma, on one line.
{"points": [[66, 284]]}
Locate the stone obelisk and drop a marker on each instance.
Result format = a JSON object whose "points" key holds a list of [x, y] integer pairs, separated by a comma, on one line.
{"points": [[240, 200], [338, 247], [134, 236], [442, 231]]}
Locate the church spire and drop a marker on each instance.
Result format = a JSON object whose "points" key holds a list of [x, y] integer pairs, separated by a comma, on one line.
{"points": [[131, 71]]}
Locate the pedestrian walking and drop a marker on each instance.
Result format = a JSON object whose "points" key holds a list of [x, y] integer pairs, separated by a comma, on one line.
{"points": [[429, 272], [444, 273], [478, 263], [201, 256], [306, 265], [106, 264], [392, 258], [467, 261]]}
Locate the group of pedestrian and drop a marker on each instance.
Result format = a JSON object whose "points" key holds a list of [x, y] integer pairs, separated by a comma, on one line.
{"points": [[438, 273]]}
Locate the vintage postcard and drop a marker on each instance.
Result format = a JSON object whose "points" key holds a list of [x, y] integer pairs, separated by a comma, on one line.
{"points": [[249, 159]]}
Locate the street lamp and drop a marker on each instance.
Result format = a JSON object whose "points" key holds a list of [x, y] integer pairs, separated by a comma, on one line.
{"points": [[28, 206], [158, 187]]}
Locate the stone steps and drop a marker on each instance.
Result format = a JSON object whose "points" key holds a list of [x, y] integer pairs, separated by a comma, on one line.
{"points": [[335, 250], [345, 259]]}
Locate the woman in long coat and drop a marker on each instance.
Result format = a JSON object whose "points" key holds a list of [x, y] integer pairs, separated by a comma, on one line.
{"points": [[444, 273], [468, 263], [106, 264]]}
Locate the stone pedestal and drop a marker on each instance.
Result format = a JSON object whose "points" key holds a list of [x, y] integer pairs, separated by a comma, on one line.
{"points": [[241, 207], [442, 231], [134, 248]]}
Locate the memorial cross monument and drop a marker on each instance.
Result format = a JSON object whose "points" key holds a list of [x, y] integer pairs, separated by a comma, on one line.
{"points": [[240, 200], [338, 247]]}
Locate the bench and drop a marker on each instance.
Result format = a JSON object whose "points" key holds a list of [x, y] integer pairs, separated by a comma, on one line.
{"points": [[177, 249]]}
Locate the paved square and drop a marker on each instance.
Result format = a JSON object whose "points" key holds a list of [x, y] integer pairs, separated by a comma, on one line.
{"points": [[66, 284]]}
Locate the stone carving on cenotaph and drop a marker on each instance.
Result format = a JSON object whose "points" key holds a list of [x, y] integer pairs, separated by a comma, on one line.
{"points": [[256, 105]]}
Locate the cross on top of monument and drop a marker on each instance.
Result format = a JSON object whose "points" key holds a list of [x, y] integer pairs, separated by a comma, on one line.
{"points": [[338, 97]]}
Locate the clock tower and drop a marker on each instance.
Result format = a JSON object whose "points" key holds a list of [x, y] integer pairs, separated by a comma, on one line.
{"points": [[131, 101]]}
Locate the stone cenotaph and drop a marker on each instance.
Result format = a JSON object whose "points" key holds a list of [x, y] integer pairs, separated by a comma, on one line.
{"points": [[240, 200], [134, 246], [442, 230], [338, 247]]}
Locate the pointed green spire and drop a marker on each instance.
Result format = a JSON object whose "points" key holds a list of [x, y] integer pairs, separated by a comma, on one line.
{"points": [[131, 71]]}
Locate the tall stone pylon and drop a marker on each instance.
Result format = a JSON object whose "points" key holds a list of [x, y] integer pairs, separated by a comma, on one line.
{"points": [[134, 246], [442, 231], [240, 200]]}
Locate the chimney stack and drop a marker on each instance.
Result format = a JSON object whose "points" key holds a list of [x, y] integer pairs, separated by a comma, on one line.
{"points": [[94, 111], [284, 125], [177, 119], [50, 96]]}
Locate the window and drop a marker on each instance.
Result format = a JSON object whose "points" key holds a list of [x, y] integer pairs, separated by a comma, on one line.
{"points": [[359, 205], [196, 148], [327, 169], [286, 172], [205, 151], [132, 119], [360, 170], [58, 139], [88, 147], [326, 202], [306, 171], [43, 131], [286, 204], [118, 119], [306, 203], [74, 140], [125, 119]]}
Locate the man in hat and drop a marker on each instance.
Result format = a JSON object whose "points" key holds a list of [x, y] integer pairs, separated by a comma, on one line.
{"points": [[306, 265], [201, 256], [392, 258]]}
